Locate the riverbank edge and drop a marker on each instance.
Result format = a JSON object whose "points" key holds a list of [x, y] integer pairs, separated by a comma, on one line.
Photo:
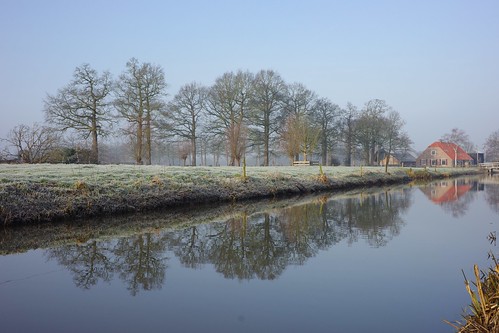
{"points": [[37, 202]]}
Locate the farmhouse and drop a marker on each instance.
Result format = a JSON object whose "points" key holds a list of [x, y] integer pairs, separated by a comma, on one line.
{"points": [[443, 154]]}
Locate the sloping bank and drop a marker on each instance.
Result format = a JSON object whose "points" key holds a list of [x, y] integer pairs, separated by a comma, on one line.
{"points": [[39, 193]]}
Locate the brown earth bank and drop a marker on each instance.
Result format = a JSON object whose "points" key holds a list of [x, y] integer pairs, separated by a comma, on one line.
{"points": [[43, 193]]}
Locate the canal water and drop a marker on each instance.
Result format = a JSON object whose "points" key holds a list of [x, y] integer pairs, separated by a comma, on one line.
{"points": [[378, 260]]}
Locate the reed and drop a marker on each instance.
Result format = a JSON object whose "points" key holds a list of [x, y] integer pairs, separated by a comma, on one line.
{"points": [[484, 307]]}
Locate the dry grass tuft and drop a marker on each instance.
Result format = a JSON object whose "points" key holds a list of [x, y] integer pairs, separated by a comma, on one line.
{"points": [[322, 176], [419, 174], [157, 181], [80, 185]]}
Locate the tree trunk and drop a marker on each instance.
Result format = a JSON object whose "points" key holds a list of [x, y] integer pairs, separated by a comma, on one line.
{"points": [[193, 142], [193, 151], [371, 155], [138, 148], [95, 146], [324, 152], [266, 139], [387, 160], [148, 136], [348, 153]]}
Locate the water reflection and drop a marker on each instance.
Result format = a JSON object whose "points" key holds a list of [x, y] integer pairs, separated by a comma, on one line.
{"points": [[88, 263], [456, 195], [251, 244], [246, 246], [139, 261], [187, 253], [492, 192]]}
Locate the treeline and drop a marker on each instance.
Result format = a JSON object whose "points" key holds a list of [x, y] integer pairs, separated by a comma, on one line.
{"points": [[241, 114]]}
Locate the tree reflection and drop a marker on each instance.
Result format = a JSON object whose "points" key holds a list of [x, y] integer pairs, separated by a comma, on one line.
{"points": [[244, 250], [263, 245], [188, 246], [375, 217], [138, 260], [88, 263], [238, 248], [244, 246]]}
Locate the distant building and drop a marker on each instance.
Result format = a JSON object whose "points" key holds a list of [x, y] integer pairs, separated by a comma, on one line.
{"points": [[477, 157], [443, 154], [402, 158]]}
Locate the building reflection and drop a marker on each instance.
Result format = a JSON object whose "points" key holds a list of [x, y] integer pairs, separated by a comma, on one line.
{"points": [[491, 187], [453, 195], [448, 190]]}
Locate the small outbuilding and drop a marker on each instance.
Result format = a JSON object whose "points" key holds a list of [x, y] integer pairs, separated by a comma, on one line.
{"points": [[398, 158]]}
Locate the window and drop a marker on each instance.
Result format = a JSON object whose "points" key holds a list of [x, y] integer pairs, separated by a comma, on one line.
{"points": [[433, 162], [434, 152], [444, 162]]}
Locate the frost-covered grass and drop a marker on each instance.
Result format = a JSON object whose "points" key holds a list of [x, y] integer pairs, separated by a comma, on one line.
{"points": [[46, 192], [130, 174]]}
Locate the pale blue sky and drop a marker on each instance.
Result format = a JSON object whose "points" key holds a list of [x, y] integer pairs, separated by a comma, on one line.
{"points": [[436, 62]]}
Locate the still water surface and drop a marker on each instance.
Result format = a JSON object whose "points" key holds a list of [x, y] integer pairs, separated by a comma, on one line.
{"points": [[384, 260]]}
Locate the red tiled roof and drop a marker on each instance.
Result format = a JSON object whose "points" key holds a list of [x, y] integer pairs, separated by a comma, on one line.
{"points": [[449, 149]]}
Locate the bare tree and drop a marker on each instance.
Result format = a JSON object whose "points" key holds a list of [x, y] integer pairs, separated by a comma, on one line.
{"points": [[83, 105], [299, 99], [130, 104], [269, 92], [229, 107], [394, 137], [299, 102], [492, 147], [369, 128], [139, 92], [155, 85], [32, 144], [182, 116], [326, 116], [460, 138], [348, 124], [300, 135], [216, 144], [290, 140]]}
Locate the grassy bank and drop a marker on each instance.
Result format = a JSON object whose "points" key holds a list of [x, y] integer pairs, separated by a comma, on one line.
{"points": [[37, 193]]}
